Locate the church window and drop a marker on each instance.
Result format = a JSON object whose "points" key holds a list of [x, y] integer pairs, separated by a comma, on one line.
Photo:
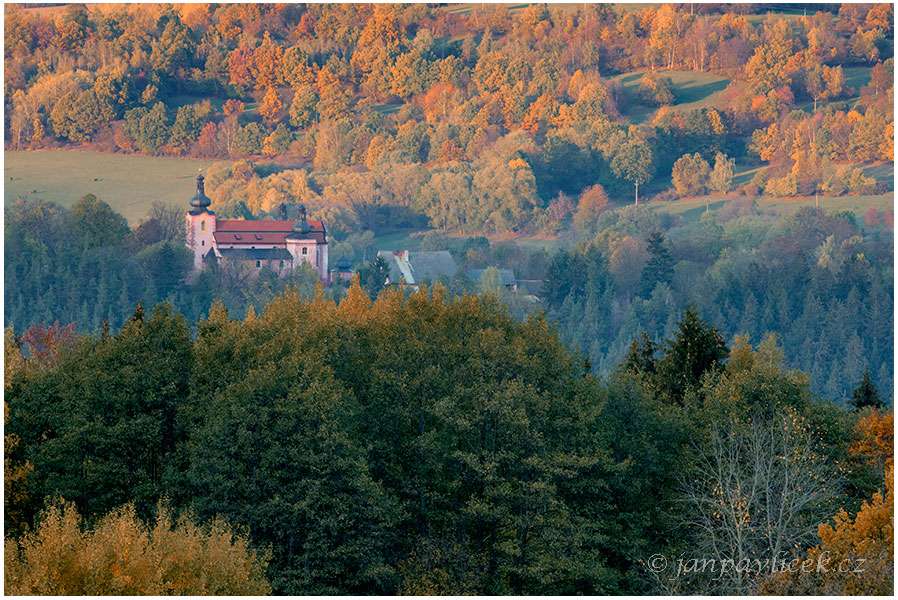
{"points": [[203, 243], [258, 263], [305, 251], [281, 265], [203, 225]]}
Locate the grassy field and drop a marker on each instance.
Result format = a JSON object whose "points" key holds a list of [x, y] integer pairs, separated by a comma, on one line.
{"points": [[690, 209], [692, 90], [693, 208], [465, 8], [130, 184]]}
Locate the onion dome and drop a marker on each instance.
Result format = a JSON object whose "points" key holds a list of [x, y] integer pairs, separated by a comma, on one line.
{"points": [[200, 200], [343, 264], [302, 226]]}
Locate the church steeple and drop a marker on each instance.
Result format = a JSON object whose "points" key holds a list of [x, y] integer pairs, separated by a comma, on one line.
{"points": [[302, 226], [200, 200]]}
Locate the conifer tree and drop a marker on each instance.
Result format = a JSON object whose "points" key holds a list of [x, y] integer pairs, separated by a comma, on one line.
{"points": [[697, 347], [659, 268], [866, 393]]}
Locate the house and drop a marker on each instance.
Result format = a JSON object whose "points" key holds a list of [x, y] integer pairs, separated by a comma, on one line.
{"points": [[506, 275], [415, 268], [281, 245]]}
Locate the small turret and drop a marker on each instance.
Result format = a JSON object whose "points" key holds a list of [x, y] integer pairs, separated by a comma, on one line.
{"points": [[343, 264], [200, 200]]}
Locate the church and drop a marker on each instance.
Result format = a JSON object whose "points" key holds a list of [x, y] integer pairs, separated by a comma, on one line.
{"points": [[280, 245]]}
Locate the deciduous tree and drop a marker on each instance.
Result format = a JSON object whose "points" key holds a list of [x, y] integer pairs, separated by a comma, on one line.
{"points": [[634, 162], [121, 555], [690, 174]]}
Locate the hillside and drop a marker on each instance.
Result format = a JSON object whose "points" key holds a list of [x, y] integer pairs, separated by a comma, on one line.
{"points": [[470, 299]]}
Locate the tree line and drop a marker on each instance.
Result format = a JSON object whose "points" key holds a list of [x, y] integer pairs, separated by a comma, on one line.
{"points": [[818, 280], [527, 104], [424, 444]]}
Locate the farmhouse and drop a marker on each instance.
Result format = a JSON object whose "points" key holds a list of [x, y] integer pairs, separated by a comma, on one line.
{"points": [[280, 245], [415, 268]]}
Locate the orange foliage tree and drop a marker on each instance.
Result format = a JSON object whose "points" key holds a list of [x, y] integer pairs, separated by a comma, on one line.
{"points": [[266, 64], [123, 556], [271, 104]]}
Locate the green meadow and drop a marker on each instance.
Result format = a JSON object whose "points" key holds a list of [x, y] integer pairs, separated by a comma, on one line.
{"points": [[691, 91], [128, 183]]}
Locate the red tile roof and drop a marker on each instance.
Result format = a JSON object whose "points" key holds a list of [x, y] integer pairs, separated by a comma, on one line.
{"points": [[239, 231], [250, 238], [246, 225]]}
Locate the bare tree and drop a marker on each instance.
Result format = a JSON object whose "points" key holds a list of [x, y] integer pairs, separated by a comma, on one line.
{"points": [[758, 493], [170, 219]]}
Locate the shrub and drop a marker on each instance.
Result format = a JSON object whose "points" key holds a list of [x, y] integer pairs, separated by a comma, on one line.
{"points": [[655, 89], [781, 186]]}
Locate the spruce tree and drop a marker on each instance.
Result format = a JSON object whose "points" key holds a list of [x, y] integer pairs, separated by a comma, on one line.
{"points": [[866, 393], [697, 347], [659, 267], [641, 355], [377, 276]]}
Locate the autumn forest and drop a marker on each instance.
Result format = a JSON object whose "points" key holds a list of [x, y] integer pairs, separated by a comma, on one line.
{"points": [[695, 361]]}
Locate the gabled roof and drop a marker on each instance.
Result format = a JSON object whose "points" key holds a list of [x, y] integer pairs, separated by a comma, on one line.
{"points": [[262, 225], [249, 238], [432, 265], [417, 267]]}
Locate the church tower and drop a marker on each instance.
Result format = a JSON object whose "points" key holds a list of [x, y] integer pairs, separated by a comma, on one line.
{"points": [[200, 224], [308, 244]]}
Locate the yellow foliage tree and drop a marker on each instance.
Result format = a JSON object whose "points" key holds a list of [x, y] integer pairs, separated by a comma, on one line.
{"points": [[334, 99], [876, 440], [38, 134], [266, 64], [123, 556]]}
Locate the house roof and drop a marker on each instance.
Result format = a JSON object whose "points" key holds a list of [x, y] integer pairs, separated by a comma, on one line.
{"points": [[531, 286], [415, 267], [255, 253], [262, 225], [249, 238], [240, 231], [506, 275]]}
